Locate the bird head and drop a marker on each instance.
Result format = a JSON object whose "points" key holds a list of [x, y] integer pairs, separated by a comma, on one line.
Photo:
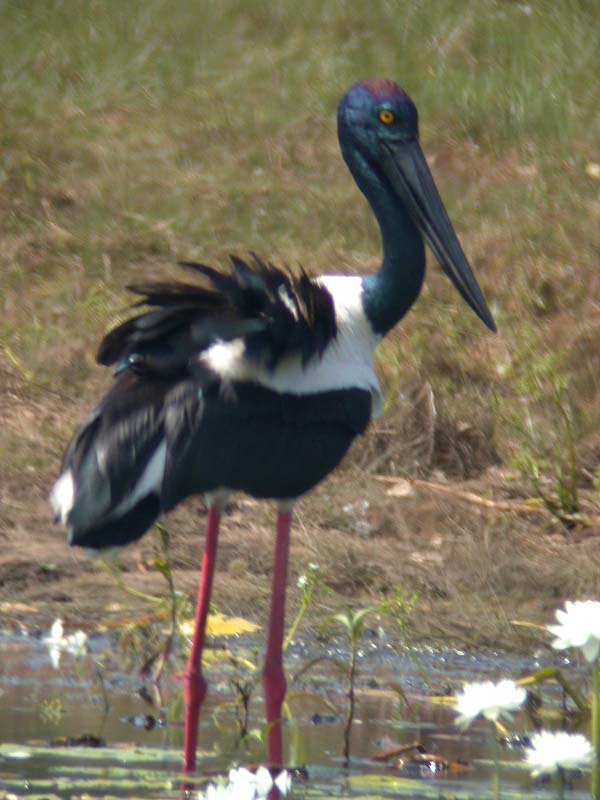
{"points": [[379, 136]]}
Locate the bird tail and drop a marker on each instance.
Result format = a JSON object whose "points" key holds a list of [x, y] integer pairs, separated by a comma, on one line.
{"points": [[109, 487]]}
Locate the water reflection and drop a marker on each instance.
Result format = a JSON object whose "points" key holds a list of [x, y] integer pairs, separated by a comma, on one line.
{"points": [[38, 705]]}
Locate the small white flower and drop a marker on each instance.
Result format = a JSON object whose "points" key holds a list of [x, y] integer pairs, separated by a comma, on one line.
{"points": [[552, 750], [491, 700], [77, 644], [579, 626], [302, 581], [54, 654], [313, 567], [56, 631], [57, 642]]}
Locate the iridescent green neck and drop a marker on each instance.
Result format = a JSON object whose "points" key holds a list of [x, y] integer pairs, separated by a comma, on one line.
{"points": [[391, 291]]}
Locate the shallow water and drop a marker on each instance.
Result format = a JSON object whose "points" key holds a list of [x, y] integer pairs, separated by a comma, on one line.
{"points": [[39, 705]]}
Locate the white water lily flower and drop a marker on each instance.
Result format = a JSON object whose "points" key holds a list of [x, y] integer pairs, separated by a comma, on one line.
{"points": [[579, 626], [553, 750], [490, 700], [213, 792], [257, 785], [242, 785], [283, 782], [246, 785]]}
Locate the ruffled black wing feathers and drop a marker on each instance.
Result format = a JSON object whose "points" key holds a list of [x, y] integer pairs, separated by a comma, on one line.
{"points": [[276, 313]]}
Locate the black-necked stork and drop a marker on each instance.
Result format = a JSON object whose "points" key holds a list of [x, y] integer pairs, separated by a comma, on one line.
{"points": [[257, 380]]}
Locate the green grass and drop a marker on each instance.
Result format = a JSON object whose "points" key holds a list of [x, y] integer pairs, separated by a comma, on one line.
{"points": [[133, 134]]}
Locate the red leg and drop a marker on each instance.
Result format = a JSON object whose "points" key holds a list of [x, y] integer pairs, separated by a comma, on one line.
{"points": [[273, 675], [194, 682]]}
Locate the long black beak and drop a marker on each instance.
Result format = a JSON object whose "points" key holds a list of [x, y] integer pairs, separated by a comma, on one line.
{"points": [[406, 169]]}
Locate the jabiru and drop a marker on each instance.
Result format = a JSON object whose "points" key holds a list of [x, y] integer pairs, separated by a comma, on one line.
{"points": [[257, 380]]}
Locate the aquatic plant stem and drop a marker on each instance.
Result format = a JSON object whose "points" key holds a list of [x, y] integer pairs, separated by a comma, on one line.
{"points": [[596, 729], [307, 593], [560, 776], [353, 625], [100, 677], [350, 715], [294, 627], [554, 673], [111, 569]]}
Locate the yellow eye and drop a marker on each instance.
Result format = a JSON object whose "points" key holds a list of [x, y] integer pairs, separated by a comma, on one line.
{"points": [[386, 116]]}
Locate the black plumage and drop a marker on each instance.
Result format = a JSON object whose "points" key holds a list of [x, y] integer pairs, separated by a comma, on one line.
{"points": [[276, 313], [203, 432], [265, 443]]}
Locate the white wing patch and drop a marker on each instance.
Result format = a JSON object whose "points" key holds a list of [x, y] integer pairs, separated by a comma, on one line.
{"points": [[149, 483], [347, 362], [62, 497]]}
